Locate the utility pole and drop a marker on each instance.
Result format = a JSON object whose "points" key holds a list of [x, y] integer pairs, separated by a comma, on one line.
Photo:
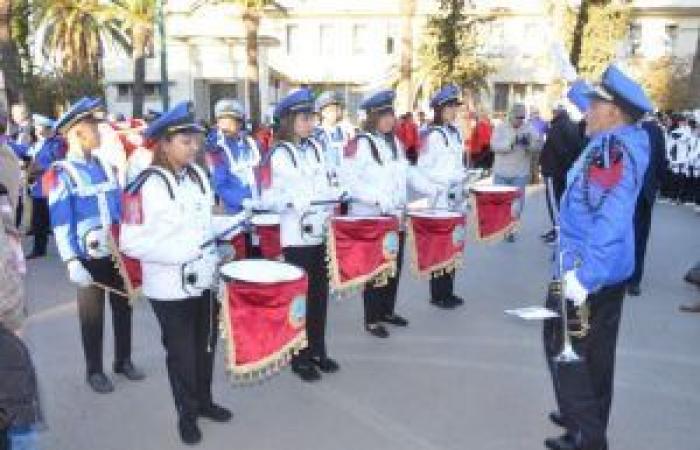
{"points": [[164, 94]]}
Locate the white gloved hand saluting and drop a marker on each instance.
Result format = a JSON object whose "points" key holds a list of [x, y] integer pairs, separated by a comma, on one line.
{"points": [[78, 274], [573, 289]]}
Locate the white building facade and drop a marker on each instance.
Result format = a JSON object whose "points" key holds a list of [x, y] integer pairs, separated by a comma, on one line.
{"points": [[355, 47]]}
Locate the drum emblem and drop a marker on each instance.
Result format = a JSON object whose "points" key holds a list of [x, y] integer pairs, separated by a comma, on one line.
{"points": [[458, 235], [391, 244], [297, 311]]}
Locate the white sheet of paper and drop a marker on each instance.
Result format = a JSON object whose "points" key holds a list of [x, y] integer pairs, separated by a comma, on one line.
{"points": [[532, 313]]}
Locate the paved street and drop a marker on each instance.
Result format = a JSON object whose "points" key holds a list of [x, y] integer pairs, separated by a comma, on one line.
{"points": [[467, 379]]}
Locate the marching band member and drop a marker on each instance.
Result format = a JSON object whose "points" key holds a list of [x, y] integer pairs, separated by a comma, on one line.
{"points": [[298, 177], [441, 162], [232, 157], [84, 203], [331, 132], [377, 177], [47, 149], [596, 252], [167, 223]]}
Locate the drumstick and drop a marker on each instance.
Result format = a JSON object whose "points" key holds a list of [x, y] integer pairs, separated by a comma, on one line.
{"points": [[110, 289]]}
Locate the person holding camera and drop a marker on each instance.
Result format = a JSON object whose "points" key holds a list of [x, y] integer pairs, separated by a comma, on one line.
{"points": [[513, 143]]}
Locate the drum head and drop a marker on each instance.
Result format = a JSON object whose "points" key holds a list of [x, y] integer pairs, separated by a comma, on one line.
{"points": [[493, 188], [265, 219], [260, 271], [436, 213]]}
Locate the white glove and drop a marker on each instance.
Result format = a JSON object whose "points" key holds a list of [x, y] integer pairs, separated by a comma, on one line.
{"points": [[250, 204], [200, 272], [573, 289], [301, 204], [78, 274]]}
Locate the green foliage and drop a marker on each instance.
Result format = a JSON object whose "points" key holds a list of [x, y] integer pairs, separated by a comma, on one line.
{"points": [[449, 52], [607, 26], [20, 29], [49, 93], [667, 82]]}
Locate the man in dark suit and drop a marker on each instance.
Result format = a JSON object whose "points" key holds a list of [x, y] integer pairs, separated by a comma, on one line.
{"points": [[564, 143], [645, 202]]}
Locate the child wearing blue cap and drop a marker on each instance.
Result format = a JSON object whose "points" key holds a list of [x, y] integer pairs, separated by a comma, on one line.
{"points": [[84, 205], [298, 178], [168, 227]]}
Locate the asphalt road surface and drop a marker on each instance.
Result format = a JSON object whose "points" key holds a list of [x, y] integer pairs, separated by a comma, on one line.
{"points": [[471, 378]]}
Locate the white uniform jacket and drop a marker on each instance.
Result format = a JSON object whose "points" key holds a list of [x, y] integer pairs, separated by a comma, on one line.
{"points": [[299, 177], [440, 161], [378, 181], [167, 220]]}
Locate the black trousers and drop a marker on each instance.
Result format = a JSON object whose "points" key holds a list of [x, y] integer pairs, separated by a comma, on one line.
{"points": [[189, 335], [558, 188], [91, 304], [696, 187], [380, 301], [584, 389], [442, 287], [40, 224], [642, 226], [313, 260]]}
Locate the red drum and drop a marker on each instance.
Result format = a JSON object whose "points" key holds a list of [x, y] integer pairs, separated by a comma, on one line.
{"points": [[263, 316], [266, 234], [129, 268], [436, 240], [361, 249], [493, 208]]}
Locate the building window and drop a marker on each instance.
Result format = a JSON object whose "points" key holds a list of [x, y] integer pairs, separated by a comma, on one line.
{"points": [[326, 39], [635, 39], [501, 97], [671, 39], [359, 39], [125, 92], [292, 39]]}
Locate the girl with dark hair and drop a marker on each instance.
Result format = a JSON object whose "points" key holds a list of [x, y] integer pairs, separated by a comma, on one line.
{"points": [[298, 177]]}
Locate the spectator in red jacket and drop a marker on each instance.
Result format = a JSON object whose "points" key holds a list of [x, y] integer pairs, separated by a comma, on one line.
{"points": [[480, 143], [407, 132]]}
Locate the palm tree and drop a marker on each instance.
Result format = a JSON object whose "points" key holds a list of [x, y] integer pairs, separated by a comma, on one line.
{"points": [[135, 19], [695, 77], [8, 55], [73, 34]]}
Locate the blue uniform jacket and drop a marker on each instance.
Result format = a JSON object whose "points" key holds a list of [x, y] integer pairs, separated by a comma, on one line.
{"points": [[72, 187], [597, 209], [51, 150], [228, 168]]}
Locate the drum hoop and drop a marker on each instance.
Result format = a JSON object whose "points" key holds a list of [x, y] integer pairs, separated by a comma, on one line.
{"points": [[265, 220], [493, 189], [435, 214]]}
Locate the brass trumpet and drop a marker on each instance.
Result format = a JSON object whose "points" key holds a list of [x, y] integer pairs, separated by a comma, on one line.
{"points": [[567, 353]]}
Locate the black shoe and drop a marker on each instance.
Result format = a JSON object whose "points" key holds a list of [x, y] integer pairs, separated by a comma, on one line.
{"points": [[306, 372], [100, 383], [444, 303], [563, 442], [128, 369], [35, 254], [395, 319], [548, 236], [457, 301], [189, 431], [216, 413], [556, 418], [633, 290], [326, 364], [377, 330], [510, 237]]}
